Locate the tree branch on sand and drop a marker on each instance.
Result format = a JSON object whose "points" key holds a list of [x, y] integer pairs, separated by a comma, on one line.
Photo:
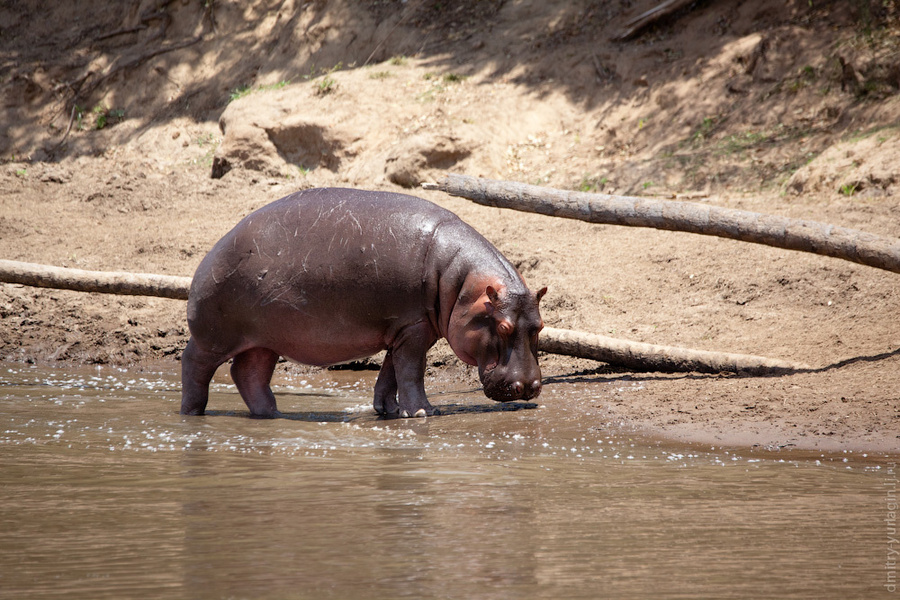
{"points": [[781, 232], [623, 353], [647, 18], [104, 282], [650, 357]]}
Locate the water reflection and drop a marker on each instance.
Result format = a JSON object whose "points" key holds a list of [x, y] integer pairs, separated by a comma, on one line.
{"points": [[106, 492]]}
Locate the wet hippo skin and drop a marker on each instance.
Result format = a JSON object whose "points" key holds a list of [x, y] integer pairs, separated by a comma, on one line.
{"points": [[330, 275]]}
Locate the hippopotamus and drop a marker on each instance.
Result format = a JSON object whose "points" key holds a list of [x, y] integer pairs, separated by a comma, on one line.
{"points": [[331, 275]]}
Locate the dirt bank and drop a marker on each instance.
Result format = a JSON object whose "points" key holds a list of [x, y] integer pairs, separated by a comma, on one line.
{"points": [[118, 118]]}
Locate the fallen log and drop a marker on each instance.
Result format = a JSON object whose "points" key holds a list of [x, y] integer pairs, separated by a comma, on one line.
{"points": [[650, 357], [623, 353], [781, 232], [104, 282], [643, 20]]}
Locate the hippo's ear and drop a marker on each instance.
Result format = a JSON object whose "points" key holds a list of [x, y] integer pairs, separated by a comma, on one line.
{"points": [[540, 293], [493, 295]]}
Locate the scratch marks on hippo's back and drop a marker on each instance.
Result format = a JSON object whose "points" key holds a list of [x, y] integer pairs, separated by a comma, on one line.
{"points": [[259, 251], [286, 295], [372, 256], [316, 222], [356, 222], [304, 264]]}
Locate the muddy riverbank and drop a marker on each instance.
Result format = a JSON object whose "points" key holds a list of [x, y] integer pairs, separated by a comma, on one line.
{"points": [[108, 165]]}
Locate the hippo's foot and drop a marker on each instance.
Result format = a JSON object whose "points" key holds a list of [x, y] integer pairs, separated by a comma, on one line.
{"points": [[422, 412], [275, 414], [400, 387], [406, 414], [394, 407], [386, 406]]}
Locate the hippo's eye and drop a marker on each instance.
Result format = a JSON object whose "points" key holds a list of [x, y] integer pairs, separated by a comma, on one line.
{"points": [[534, 335], [504, 328]]}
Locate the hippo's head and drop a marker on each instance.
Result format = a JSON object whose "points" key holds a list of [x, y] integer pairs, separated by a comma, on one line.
{"points": [[498, 332]]}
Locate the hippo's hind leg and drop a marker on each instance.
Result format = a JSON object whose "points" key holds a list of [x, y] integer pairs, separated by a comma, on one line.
{"points": [[252, 372], [386, 389], [197, 369]]}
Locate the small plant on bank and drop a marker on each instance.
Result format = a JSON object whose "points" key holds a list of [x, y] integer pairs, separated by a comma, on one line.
{"points": [[848, 189], [211, 144], [326, 85], [592, 184], [104, 117], [79, 118], [704, 130], [239, 92], [245, 90], [438, 84]]}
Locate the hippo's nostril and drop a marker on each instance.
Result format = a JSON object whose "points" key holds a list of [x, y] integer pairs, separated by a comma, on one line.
{"points": [[517, 388], [536, 387]]}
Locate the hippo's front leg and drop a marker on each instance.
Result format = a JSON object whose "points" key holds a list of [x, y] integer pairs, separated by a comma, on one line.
{"points": [[407, 356]]}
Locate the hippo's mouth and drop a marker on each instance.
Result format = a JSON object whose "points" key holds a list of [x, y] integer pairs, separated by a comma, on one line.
{"points": [[488, 368], [500, 389], [486, 373]]}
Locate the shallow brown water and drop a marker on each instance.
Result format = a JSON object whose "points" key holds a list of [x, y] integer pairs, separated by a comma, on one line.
{"points": [[106, 492]]}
